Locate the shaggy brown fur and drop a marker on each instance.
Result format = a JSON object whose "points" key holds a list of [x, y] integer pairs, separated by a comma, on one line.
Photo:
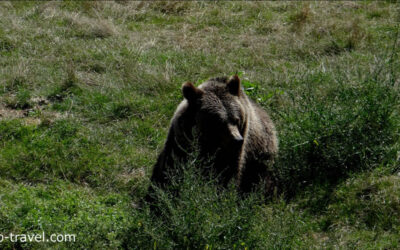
{"points": [[233, 130]]}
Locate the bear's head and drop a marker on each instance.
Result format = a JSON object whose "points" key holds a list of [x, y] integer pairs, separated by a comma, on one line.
{"points": [[218, 108]]}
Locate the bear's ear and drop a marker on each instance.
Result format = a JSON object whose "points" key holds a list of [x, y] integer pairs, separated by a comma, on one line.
{"points": [[234, 85], [190, 92]]}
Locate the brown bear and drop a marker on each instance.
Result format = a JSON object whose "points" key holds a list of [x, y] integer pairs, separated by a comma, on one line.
{"points": [[228, 127]]}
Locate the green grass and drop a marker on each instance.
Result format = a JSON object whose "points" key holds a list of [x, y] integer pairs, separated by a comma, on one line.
{"points": [[87, 90]]}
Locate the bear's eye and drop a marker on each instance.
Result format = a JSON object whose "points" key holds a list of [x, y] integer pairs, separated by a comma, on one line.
{"points": [[235, 120]]}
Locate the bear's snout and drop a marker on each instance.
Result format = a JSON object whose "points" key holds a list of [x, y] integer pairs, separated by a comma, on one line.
{"points": [[237, 138]]}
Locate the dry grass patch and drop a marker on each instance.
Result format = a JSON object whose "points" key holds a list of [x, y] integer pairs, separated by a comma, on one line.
{"points": [[90, 27]]}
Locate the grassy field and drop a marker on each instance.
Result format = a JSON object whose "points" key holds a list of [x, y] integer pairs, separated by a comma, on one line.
{"points": [[87, 90]]}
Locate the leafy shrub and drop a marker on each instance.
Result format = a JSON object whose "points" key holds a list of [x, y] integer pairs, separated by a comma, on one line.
{"points": [[195, 213], [348, 128]]}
